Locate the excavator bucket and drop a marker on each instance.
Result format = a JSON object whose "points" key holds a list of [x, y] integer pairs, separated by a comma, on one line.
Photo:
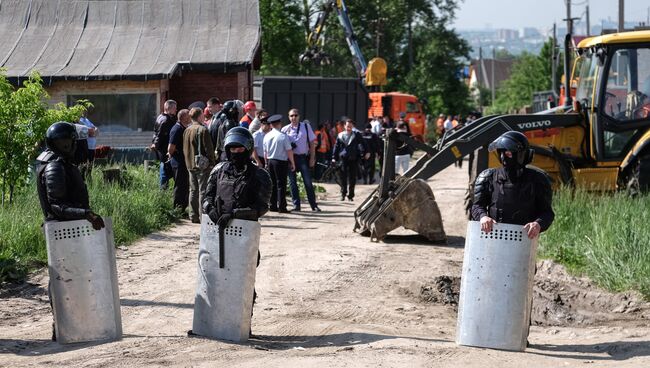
{"points": [[411, 205]]}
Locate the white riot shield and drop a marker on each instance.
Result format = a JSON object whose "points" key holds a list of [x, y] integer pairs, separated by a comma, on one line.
{"points": [[83, 281], [224, 296], [496, 287]]}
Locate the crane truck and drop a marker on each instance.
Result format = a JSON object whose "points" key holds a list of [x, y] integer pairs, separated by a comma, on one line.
{"points": [[599, 142], [373, 73]]}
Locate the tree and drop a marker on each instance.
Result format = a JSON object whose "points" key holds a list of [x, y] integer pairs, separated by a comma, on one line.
{"points": [[530, 73], [24, 119], [434, 74], [423, 56]]}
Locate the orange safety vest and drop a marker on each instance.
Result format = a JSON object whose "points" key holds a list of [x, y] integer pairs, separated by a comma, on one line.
{"points": [[323, 138]]}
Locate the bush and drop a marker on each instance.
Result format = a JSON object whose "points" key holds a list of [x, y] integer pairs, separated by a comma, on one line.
{"points": [[602, 236], [137, 207]]}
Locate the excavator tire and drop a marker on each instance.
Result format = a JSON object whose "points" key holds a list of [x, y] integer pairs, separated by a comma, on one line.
{"points": [[639, 178]]}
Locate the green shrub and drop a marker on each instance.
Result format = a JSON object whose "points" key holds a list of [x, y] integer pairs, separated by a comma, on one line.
{"points": [[137, 207], [602, 236]]}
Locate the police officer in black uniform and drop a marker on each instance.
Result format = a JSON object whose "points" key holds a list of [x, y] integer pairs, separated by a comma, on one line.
{"points": [[227, 119], [513, 194], [61, 189], [237, 188]]}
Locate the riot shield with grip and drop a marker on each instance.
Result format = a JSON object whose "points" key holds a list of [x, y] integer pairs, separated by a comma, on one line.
{"points": [[224, 295], [496, 287], [83, 281]]}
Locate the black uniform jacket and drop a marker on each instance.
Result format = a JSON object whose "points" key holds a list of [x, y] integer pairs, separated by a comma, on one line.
{"points": [[520, 201]]}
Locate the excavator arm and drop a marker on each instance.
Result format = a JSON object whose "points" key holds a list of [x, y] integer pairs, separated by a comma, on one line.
{"points": [[315, 54], [408, 201]]}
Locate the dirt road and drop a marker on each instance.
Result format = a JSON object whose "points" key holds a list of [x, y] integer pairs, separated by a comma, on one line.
{"points": [[331, 298]]}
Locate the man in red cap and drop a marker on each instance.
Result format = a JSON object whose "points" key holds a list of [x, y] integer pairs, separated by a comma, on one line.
{"points": [[249, 109]]}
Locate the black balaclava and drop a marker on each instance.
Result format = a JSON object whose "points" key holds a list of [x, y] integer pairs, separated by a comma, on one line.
{"points": [[240, 159], [513, 167]]}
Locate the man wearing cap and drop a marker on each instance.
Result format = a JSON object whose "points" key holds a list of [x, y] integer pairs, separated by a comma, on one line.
{"points": [[249, 114], [258, 141], [304, 151], [279, 160]]}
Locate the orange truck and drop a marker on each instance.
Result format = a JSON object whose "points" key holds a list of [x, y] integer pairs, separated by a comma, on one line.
{"points": [[391, 104]]}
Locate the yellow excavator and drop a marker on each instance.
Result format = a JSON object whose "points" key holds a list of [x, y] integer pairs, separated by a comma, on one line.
{"points": [[600, 141]]}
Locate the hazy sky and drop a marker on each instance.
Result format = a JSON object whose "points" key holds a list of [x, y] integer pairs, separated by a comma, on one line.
{"points": [[514, 14]]}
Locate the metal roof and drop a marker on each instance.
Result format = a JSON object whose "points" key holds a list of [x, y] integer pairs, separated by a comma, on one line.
{"points": [[126, 39], [623, 37]]}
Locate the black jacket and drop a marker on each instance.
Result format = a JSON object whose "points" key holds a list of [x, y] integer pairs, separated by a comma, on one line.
{"points": [[245, 195], [162, 127], [61, 190], [373, 142], [520, 201], [349, 149]]}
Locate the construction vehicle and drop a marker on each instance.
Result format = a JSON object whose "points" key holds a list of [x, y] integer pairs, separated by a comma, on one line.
{"points": [[373, 73], [600, 142]]}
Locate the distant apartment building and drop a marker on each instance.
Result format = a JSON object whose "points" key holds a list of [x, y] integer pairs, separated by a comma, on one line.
{"points": [[507, 34]]}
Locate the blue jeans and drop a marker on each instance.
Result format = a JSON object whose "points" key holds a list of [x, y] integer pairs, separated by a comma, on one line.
{"points": [[164, 176], [302, 166]]}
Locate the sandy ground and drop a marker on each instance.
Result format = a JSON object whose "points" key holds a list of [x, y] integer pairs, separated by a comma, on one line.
{"points": [[330, 298]]}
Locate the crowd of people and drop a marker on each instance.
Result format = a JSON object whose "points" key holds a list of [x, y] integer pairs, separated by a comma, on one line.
{"points": [[190, 142]]}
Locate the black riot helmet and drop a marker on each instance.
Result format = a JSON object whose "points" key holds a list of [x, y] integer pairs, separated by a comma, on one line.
{"points": [[238, 136], [61, 138], [231, 110], [515, 142]]}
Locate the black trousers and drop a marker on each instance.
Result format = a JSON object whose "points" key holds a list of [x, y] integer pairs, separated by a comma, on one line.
{"points": [[181, 185], [349, 177], [279, 170], [369, 169]]}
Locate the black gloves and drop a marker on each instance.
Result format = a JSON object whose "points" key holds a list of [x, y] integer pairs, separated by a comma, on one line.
{"points": [[95, 220], [224, 220], [214, 216], [221, 221]]}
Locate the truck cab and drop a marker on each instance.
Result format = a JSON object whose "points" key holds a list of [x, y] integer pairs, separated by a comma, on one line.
{"points": [[391, 104]]}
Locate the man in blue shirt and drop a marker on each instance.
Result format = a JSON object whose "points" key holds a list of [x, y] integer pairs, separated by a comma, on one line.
{"points": [[279, 160], [258, 141], [177, 160], [304, 151]]}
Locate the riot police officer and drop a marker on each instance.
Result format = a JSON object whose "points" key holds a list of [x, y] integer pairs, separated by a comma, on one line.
{"points": [[61, 189], [237, 188], [513, 193]]}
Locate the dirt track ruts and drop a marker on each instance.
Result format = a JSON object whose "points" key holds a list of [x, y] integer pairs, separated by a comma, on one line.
{"points": [[327, 297]]}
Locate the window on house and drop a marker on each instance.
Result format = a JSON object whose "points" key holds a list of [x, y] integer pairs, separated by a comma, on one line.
{"points": [[121, 113]]}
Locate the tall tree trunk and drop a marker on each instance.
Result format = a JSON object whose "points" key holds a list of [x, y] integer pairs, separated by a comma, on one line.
{"points": [[410, 41]]}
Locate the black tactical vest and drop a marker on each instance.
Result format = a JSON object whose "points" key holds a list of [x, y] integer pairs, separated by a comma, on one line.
{"points": [[236, 190], [72, 182], [513, 203]]}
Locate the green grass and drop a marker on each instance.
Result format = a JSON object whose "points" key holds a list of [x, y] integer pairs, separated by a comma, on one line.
{"points": [[136, 207], [605, 237]]}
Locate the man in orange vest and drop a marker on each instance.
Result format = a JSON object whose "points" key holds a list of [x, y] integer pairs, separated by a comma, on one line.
{"points": [[249, 114], [323, 150]]}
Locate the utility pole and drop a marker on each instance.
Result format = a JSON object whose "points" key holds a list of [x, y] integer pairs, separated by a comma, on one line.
{"points": [[554, 61], [479, 70], [494, 56], [621, 15], [569, 21], [588, 24]]}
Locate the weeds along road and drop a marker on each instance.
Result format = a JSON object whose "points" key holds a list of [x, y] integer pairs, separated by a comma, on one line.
{"points": [[326, 297]]}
